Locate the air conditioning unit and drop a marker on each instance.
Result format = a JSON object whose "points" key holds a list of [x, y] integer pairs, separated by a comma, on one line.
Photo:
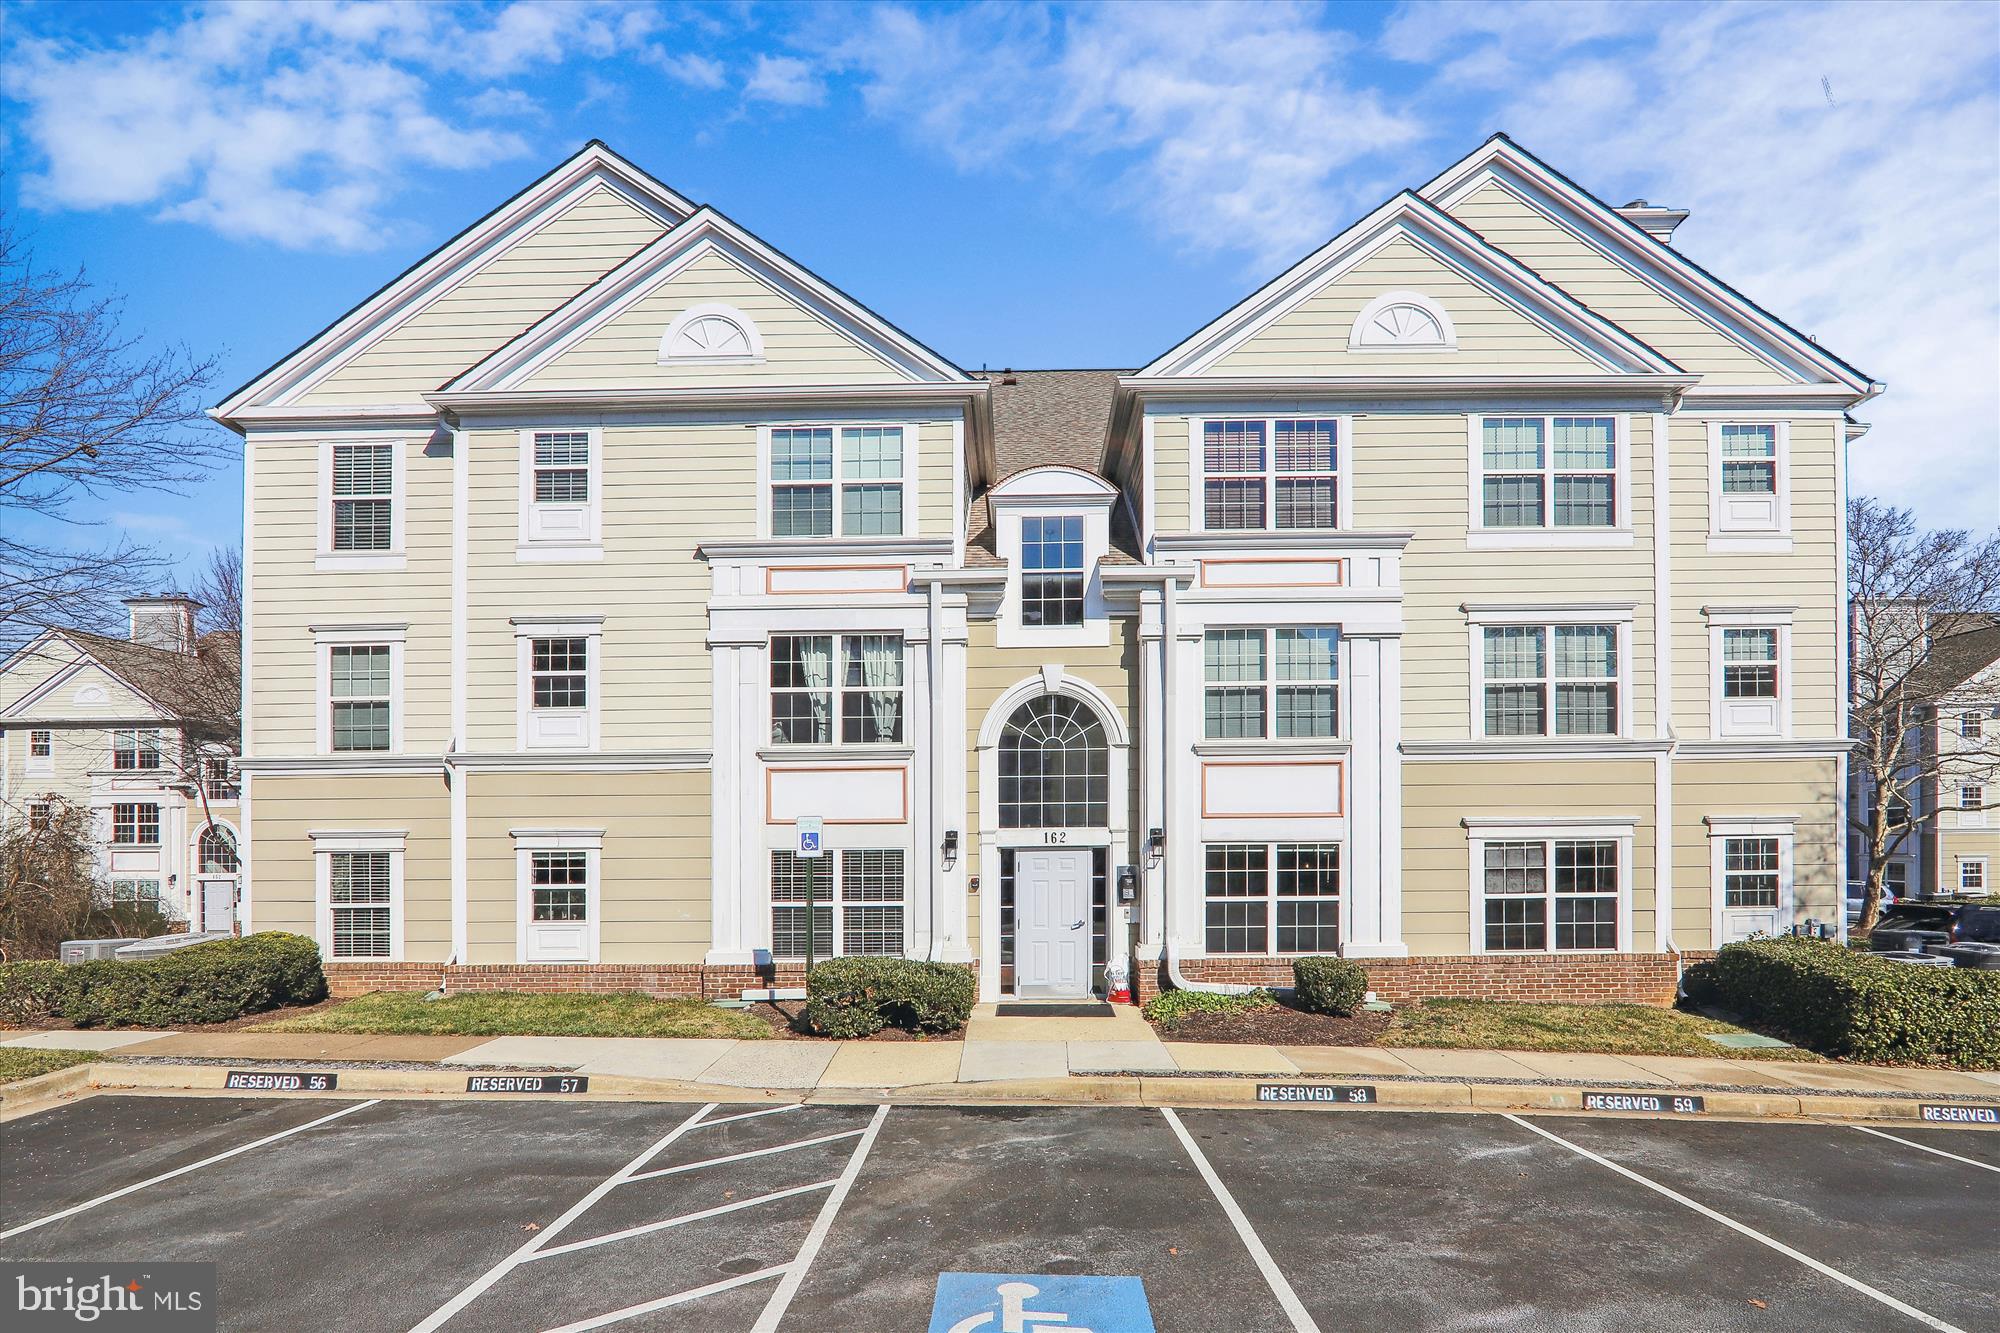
{"points": [[163, 944], [84, 951]]}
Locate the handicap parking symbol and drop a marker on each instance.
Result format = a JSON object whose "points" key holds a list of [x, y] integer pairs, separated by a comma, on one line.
{"points": [[1039, 1303]]}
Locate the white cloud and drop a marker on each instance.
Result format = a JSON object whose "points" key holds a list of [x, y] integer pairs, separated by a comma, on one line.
{"points": [[1227, 126], [1865, 218], [696, 71], [784, 80], [294, 124]]}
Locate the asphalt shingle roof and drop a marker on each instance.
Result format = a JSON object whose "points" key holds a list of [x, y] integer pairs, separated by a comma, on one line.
{"points": [[1042, 418]]}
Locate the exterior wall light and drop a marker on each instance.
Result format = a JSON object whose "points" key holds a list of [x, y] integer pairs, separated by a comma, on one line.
{"points": [[1156, 845]]}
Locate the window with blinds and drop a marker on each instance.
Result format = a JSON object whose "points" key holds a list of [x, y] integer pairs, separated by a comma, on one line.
{"points": [[364, 479], [359, 899]]}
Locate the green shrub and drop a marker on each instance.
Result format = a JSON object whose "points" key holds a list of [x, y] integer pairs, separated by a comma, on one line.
{"points": [[203, 983], [31, 993], [1172, 1008], [856, 997], [1857, 1007], [1328, 985]]}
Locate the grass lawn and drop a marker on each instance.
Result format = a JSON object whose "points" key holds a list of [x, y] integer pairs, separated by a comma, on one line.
{"points": [[19, 1062], [510, 1014], [1608, 1029]]}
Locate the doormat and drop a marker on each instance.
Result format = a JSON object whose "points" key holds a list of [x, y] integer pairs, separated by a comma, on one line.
{"points": [[1053, 1011]]}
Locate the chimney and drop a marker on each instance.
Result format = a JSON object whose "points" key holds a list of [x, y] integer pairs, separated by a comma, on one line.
{"points": [[1655, 221], [165, 621]]}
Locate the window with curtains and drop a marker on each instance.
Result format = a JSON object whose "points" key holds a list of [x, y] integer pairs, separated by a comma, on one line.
{"points": [[860, 899], [364, 477], [1052, 570], [1270, 472], [842, 481], [135, 825], [1750, 872], [358, 692], [359, 902], [858, 696], [135, 750], [1548, 472], [1271, 898], [1549, 895], [1260, 683], [1055, 767], [1749, 459], [1550, 680]]}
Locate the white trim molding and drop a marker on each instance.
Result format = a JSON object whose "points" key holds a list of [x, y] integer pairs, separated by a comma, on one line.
{"points": [[697, 352], [326, 842], [1371, 331], [325, 639], [1549, 830], [576, 729], [565, 945], [1758, 718], [1740, 524], [1727, 923], [554, 531]]}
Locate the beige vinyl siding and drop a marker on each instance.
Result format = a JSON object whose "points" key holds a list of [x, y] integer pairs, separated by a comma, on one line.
{"points": [[32, 670], [1437, 850], [1956, 844], [937, 501], [1807, 789], [1409, 473], [653, 870], [799, 346], [75, 753], [1611, 289], [289, 595], [1493, 338], [1172, 475], [1806, 577], [287, 809], [494, 304]]}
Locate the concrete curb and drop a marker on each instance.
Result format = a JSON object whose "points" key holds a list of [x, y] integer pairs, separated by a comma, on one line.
{"points": [[1074, 1090]]}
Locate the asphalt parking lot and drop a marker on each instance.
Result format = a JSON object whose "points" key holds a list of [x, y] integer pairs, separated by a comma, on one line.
{"points": [[534, 1214]]}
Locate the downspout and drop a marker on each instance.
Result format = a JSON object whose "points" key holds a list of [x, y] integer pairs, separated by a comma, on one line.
{"points": [[934, 592], [1170, 619]]}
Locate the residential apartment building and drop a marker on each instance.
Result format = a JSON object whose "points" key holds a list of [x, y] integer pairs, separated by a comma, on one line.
{"points": [[140, 732], [1467, 599]]}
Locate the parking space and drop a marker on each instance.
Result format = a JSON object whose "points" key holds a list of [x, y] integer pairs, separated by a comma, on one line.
{"points": [[537, 1215]]}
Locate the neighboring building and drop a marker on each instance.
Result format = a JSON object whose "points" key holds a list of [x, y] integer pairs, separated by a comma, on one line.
{"points": [[1959, 845], [141, 732], [1467, 599]]}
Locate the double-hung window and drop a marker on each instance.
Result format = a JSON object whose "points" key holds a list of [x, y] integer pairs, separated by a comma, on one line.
{"points": [[41, 752], [1748, 480], [1548, 895], [358, 691], [1972, 874], [866, 885], [1971, 805], [559, 673], [1750, 872], [562, 467], [810, 689], [559, 485], [1548, 472], [1749, 459], [136, 893], [1052, 570], [364, 488], [1971, 726], [1271, 682], [1550, 680], [558, 886], [1271, 898], [360, 903], [844, 481], [1269, 473], [135, 824], [135, 750], [1749, 663]]}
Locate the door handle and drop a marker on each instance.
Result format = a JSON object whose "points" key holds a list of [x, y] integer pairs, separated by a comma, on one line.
{"points": [[1076, 925]]}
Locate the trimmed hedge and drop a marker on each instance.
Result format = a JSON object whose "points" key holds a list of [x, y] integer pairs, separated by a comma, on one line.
{"points": [[1846, 1004], [858, 997], [203, 983], [1328, 985]]}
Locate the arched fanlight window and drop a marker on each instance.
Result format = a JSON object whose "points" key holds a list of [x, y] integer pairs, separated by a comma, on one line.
{"points": [[1055, 768], [217, 851], [711, 333], [1403, 320]]}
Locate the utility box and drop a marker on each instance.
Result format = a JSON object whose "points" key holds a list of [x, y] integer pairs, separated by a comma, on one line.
{"points": [[84, 951], [161, 944]]}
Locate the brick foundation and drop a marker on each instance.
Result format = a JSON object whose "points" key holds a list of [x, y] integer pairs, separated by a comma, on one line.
{"points": [[665, 979], [1631, 978]]}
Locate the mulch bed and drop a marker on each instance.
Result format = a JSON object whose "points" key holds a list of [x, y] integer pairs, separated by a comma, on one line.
{"points": [[782, 1016], [1278, 1025]]}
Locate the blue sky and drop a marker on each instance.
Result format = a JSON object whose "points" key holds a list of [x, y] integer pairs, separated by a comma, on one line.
{"points": [[1026, 185]]}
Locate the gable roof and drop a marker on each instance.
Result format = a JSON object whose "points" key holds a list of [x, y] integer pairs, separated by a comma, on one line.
{"points": [[657, 263], [205, 685], [1451, 243], [1957, 658], [1042, 418], [1628, 243], [594, 165]]}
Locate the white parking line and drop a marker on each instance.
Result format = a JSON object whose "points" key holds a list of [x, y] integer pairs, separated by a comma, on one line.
{"points": [[678, 1298], [649, 1227], [743, 1156], [192, 1166], [445, 1312], [781, 1299], [1931, 1321], [1912, 1143], [1295, 1310], [750, 1115]]}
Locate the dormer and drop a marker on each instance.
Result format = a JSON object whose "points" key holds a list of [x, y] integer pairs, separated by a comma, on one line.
{"points": [[1052, 527]]}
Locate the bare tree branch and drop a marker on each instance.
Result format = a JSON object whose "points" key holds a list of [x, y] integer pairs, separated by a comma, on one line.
{"points": [[220, 590]]}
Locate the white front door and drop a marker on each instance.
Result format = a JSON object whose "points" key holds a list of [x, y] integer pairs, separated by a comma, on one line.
{"points": [[1052, 923], [218, 904]]}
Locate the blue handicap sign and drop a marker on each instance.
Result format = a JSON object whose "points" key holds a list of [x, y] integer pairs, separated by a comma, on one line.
{"points": [[1039, 1303], [809, 842]]}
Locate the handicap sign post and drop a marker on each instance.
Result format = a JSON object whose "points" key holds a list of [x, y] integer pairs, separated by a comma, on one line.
{"points": [[811, 832], [1039, 1303]]}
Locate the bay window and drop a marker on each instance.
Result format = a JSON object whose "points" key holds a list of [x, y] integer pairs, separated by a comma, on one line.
{"points": [[844, 481], [862, 688]]}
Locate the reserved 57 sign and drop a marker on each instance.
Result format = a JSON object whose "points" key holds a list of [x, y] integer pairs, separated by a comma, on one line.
{"points": [[527, 1083]]}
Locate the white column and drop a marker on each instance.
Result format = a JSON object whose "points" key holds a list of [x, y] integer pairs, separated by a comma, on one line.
{"points": [[925, 886], [952, 757], [1375, 815], [1150, 726], [727, 814]]}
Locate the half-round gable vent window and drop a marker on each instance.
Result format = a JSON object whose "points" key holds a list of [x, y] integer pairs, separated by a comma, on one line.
{"points": [[711, 333], [1403, 320]]}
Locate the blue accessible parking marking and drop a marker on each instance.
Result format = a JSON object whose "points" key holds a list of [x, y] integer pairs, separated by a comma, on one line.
{"points": [[1039, 1303]]}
